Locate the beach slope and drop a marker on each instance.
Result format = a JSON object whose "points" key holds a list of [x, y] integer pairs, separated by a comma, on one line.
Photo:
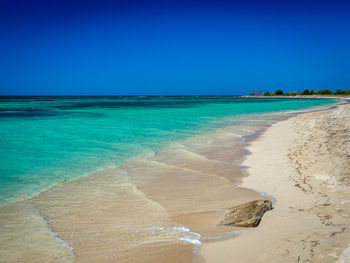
{"points": [[304, 163]]}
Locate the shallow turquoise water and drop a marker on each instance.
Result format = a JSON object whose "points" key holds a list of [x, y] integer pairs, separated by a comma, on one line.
{"points": [[45, 140]]}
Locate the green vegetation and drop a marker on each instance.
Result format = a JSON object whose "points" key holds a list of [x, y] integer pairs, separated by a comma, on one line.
{"points": [[324, 92], [278, 92]]}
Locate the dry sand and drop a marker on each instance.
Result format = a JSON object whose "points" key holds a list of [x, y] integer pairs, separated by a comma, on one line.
{"points": [[303, 162]]}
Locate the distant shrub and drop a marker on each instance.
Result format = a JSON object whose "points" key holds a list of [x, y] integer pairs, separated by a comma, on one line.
{"points": [[343, 92], [292, 93], [339, 91], [305, 92], [278, 92], [325, 92]]}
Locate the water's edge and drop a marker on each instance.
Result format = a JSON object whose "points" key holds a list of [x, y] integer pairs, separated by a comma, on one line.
{"points": [[194, 238]]}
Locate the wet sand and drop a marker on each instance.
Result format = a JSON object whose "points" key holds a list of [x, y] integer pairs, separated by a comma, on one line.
{"points": [[304, 163], [159, 207]]}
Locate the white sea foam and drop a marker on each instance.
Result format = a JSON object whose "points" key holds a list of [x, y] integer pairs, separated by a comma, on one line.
{"points": [[61, 241], [192, 238], [234, 134], [259, 192], [247, 130], [189, 239], [239, 164], [227, 235], [182, 228], [181, 233]]}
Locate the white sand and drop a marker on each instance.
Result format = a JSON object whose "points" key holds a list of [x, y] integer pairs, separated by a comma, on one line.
{"points": [[303, 162]]}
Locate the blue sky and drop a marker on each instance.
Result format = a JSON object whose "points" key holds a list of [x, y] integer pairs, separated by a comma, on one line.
{"points": [[172, 47]]}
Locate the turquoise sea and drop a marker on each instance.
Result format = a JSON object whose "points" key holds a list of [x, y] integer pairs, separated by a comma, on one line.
{"points": [[48, 140]]}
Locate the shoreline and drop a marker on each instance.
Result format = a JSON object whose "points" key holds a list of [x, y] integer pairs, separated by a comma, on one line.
{"points": [[166, 225], [45, 203], [306, 223], [23, 198]]}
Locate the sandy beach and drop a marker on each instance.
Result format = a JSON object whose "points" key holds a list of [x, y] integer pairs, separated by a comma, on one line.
{"points": [[166, 206], [304, 163]]}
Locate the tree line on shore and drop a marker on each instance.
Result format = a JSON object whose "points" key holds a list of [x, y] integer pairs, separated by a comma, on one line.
{"points": [[306, 92]]}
